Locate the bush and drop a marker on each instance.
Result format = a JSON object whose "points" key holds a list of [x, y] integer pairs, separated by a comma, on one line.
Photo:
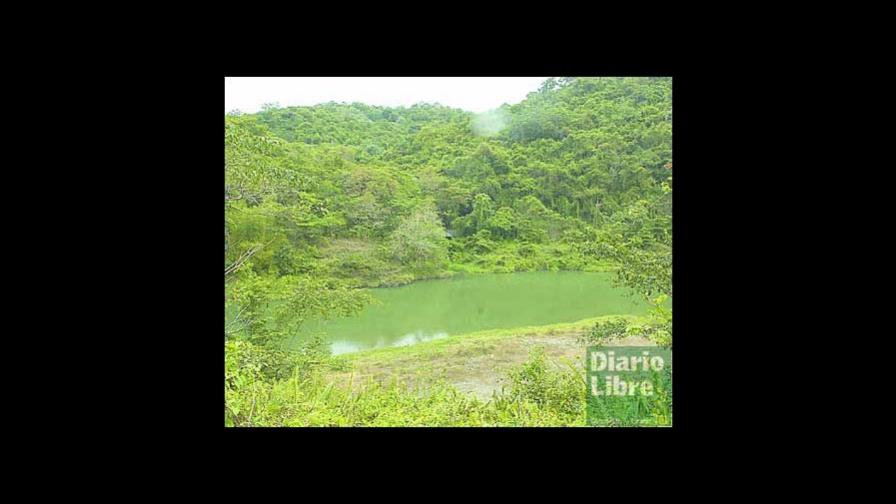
{"points": [[605, 331], [560, 392]]}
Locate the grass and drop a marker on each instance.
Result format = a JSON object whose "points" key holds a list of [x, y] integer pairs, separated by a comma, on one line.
{"points": [[474, 341]]}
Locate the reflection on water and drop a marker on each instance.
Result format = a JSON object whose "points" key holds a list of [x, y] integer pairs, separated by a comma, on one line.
{"points": [[345, 346], [418, 337]]}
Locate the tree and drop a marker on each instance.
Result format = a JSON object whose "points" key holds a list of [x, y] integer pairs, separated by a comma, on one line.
{"points": [[533, 219], [420, 240], [249, 168], [503, 223], [482, 211]]}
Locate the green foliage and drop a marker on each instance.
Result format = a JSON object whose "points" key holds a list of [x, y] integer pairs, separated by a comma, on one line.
{"points": [[271, 309], [639, 239], [538, 396], [579, 154], [632, 411], [657, 328], [419, 240], [250, 371], [534, 382], [637, 410], [250, 159], [607, 331], [503, 223]]}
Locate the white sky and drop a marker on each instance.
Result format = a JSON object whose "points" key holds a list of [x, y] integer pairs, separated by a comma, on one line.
{"points": [[474, 94]]}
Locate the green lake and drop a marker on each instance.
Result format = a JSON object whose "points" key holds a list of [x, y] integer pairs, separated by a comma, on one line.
{"points": [[433, 309]]}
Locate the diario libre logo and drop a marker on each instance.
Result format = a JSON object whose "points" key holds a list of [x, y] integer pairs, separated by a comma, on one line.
{"points": [[629, 386]]}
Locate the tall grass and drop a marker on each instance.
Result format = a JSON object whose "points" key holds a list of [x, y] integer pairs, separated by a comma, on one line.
{"points": [[536, 395]]}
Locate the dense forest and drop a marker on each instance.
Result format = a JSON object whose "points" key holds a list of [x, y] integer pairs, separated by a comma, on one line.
{"points": [[324, 203]]}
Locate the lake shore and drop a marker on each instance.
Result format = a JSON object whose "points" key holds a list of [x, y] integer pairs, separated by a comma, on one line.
{"points": [[461, 269], [474, 363]]}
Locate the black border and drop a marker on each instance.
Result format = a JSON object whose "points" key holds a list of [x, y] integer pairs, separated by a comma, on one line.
{"points": [[202, 240]]}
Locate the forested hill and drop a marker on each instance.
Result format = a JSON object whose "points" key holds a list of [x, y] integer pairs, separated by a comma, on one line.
{"points": [[566, 179]]}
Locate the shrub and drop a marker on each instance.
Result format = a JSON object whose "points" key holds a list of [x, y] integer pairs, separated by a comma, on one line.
{"points": [[560, 392]]}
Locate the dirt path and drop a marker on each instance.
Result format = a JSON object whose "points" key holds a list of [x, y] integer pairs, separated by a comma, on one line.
{"points": [[479, 370]]}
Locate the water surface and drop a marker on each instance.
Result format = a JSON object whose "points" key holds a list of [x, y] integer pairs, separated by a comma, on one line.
{"points": [[433, 309]]}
